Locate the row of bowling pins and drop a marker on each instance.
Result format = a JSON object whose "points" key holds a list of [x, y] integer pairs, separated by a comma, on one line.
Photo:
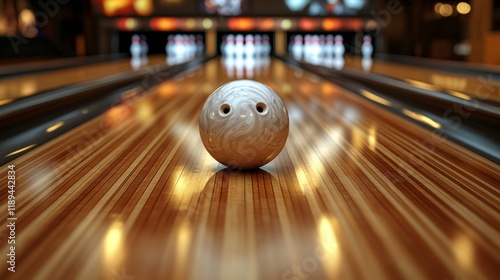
{"points": [[245, 46], [182, 47], [139, 47], [139, 51], [240, 67], [314, 48]]}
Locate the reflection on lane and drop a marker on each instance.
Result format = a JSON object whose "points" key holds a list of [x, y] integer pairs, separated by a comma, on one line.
{"points": [[345, 193], [462, 86], [113, 249], [240, 67], [26, 85]]}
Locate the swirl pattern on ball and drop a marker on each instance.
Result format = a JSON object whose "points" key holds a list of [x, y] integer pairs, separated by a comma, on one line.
{"points": [[244, 124]]}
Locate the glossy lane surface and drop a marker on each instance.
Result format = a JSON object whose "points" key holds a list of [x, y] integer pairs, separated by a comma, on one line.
{"points": [[357, 193], [480, 86], [26, 85]]}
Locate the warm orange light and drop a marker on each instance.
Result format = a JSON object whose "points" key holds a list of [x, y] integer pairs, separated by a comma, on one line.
{"points": [[354, 24], [127, 24], [286, 24], [54, 127], [21, 150], [111, 7], [5, 101], [327, 89], [190, 23], [463, 8], [27, 24], [437, 6], [163, 24], [117, 114], [331, 24], [266, 24], [207, 23], [306, 89], [166, 89], [308, 24], [241, 24], [446, 10], [143, 7], [26, 17], [131, 24]]}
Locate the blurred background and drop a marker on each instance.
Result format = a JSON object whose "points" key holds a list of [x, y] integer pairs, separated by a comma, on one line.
{"points": [[459, 30]]}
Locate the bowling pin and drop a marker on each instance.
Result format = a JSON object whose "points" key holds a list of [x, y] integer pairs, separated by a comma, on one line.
{"points": [[239, 47], [329, 45], [315, 49], [185, 44], [249, 46], [189, 46], [180, 47], [144, 50], [192, 44], [144, 46], [307, 47], [290, 45], [297, 48], [223, 44], [329, 59], [322, 45], [339, 46], [199, 45], [230, 47], [169, 45], [135, 47], [266, 45], [367, 47], [258, 45]]}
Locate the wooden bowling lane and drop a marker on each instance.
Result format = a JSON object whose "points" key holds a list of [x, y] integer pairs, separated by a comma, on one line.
{"points": [[479, 86], [26, 85], [357, 193]]}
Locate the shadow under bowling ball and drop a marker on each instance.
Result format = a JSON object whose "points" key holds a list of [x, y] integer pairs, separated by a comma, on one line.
{"points": [[241, 216], [229, 182]]}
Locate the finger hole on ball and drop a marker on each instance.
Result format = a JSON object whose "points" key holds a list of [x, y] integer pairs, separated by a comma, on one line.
{"points": [[225, 109], [261, 108]]}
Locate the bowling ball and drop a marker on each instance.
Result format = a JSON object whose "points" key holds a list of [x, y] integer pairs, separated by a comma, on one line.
{"points": [[244, 124]]}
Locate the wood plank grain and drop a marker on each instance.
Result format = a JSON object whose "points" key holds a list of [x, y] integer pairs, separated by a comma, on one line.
{"points": [[357, 193], [26, 85]]}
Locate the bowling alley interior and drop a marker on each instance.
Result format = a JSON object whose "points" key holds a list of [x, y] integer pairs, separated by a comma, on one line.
{"points": [[249, 139]]}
